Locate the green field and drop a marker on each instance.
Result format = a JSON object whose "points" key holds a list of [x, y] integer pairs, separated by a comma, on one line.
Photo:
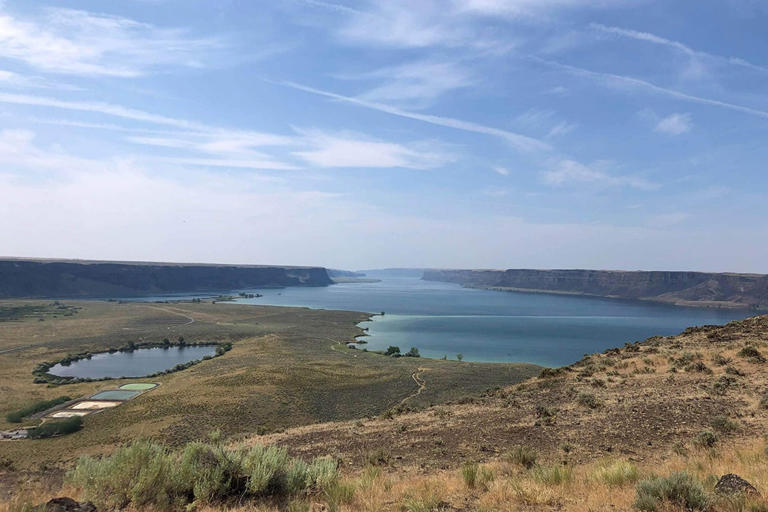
{"points": [[288, 367]]}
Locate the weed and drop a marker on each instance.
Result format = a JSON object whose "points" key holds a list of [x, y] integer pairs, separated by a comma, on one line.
{"points": [[553, 475], [617, 473], [724, 424], [521, 455]]}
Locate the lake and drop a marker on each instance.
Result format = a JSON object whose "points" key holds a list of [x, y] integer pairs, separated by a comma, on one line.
{"points": [[445, 319], [138, 363]]}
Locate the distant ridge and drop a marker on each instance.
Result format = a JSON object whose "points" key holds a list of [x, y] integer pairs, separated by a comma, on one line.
{"points": [[675, 287], [52, 278]]}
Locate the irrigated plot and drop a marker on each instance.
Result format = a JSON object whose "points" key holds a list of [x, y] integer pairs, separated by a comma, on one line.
{"points": [[115, 394], [138, 386]]}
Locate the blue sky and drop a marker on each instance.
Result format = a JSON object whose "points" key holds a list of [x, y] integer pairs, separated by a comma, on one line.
{"points": [[456, 133]]}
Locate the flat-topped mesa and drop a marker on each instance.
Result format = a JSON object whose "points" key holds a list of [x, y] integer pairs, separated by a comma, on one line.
{"points": [[683, 288], [75, 278]]}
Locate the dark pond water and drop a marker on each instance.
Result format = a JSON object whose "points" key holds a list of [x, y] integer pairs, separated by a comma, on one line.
{"points": [[139, 363]]}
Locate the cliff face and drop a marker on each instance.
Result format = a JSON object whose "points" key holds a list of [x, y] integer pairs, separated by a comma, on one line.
{"points": [[42, 278], [691, 288]]}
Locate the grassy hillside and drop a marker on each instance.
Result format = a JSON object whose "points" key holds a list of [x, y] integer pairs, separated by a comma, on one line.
{"points": [[648, 426], [288, 367]]}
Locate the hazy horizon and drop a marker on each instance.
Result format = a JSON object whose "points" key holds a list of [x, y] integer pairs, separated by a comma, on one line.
{"points": [[352, 135]]}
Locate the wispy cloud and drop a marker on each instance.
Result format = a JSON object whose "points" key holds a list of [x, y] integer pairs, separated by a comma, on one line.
{"points": [[416, 83], [81, 43], [674, 124], [521, 142], [627, 82], [501, 170], [567, 172], [354, 150], [676, 45]]}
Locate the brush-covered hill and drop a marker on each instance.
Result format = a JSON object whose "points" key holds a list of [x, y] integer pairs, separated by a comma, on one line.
{"points": [[658, 425], [682, 288], [79, 278]]}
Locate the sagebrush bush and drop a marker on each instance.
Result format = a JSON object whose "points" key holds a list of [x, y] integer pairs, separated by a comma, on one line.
{"points": [[706, 439], [680, 489], [588, 400], [617, 473], [145, 473], [724, 424]]}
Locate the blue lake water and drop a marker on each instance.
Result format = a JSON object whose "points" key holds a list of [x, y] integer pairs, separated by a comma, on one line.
{"points": [[444, 319], [138, 363]]}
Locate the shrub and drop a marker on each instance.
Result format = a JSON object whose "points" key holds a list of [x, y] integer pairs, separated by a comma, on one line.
{"points": [[378, 457], [706, 439], [722, 384], [147, 474], [521, 455], [392, 351], [678, 488], [414, 352], [720, 360], [17, 416], [764, 401], [731, 370], [751, 352], [618, 473], [57, 428], [724, 424], [588, 400]]}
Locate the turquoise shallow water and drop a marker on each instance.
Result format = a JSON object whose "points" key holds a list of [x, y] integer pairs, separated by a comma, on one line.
{"points": [[443, 319]]}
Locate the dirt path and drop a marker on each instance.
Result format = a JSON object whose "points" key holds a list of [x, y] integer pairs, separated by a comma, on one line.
{"points": [[174, 311], [419, 382]]}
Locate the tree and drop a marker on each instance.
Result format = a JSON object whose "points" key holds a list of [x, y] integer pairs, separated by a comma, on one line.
{"points": [[414, 352], [392, 351], [460, 357]]}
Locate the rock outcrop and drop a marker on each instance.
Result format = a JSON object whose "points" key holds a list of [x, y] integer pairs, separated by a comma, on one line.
{"points": [[687, 288], [103, 279]]}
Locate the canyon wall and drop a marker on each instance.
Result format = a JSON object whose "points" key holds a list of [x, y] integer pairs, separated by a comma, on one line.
{"points": [[104, 279]]}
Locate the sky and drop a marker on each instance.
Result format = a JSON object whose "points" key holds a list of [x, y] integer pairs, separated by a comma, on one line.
{"points": [[612, 134]]}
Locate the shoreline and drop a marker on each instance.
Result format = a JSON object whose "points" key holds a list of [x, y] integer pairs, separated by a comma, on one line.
{"points": [[679, 303]]}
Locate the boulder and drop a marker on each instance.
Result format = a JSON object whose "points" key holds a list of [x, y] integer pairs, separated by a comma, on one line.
{"points": [[732, 484], [68, 505]]}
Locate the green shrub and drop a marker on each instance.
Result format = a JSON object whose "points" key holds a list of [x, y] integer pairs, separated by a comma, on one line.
{"points": [[706, 439], [724, 424], [392, 351], [617, 473], [588, 400], [17, 416], [521, 455], [57, 428], [678, 488], [147, 474], [752, 353]]}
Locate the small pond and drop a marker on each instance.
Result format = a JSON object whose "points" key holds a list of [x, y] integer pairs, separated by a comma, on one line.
{"points": [[138, 363]]}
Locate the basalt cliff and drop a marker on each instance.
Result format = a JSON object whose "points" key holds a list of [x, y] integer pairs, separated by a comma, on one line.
{"points": [[683, 288], [104, 279]]}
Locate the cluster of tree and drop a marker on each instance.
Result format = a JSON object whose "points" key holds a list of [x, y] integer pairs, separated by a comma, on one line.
{"points": [[394, 351]]}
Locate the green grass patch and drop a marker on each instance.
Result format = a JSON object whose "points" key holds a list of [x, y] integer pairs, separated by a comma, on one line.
{"points": [[17, 416], [57, 428]]}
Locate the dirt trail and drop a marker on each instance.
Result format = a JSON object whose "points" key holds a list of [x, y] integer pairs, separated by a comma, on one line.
{"points": [[174, 311], [419, 382]]}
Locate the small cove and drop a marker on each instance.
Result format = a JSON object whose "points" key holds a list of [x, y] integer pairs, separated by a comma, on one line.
{"points": [[136, 363]]}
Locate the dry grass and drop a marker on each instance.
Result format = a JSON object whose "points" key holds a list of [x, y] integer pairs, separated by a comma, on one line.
{"points": [[607, 484]]}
